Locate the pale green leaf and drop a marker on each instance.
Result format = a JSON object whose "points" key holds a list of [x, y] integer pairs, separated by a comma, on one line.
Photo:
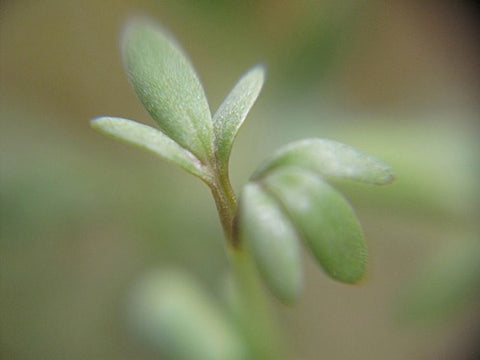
{"points": [[448, 282], [330, 159], [153, 140], [168, 86], [324, 220], [171, 313], [271, 238], [232, 112]]}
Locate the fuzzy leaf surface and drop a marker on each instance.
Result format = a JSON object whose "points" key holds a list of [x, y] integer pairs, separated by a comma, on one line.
{"points": [[331, 159], [168, 87], [232, 112], [272, 240], [151, 139], [324, 220]]}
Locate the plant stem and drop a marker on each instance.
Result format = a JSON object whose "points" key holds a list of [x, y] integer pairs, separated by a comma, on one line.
{"points": [[250, 306], [226, 203]]}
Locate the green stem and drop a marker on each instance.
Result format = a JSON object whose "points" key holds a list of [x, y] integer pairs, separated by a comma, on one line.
{"points": [[249, 303], [251, 308], [226, 203]]}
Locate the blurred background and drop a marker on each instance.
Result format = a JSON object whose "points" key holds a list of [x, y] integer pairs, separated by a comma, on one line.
{"points": [[82, 216]]}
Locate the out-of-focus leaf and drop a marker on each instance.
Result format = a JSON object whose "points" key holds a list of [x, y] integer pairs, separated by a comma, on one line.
{"points": [[232, 112], [168, 86], [449, 281], [324, 220], [272, 240], [330, 159], [250, 309], [153, 140], [172, 313]]}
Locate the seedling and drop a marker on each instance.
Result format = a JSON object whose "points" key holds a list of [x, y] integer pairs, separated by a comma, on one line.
{"points": [[287, 201]]}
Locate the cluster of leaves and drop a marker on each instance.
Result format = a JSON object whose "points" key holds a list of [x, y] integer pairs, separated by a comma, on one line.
{"points": [[286, 201]]}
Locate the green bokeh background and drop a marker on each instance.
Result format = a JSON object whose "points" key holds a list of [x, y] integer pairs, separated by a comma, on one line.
{"points": [[83, 217]]}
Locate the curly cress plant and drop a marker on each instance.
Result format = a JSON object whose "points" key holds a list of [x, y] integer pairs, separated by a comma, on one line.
{"points": [[287, 201]]}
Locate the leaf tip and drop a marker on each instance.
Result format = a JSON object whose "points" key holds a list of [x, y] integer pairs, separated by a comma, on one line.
{"points": [[388, 176], [258, 72], [261, 70], [135, 30], [391, 178], [135, 22], [97, 122]]}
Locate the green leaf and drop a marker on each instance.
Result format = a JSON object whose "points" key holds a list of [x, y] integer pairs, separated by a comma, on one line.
{"points": [[171, 313], [168, 86], [324, 220], [447, 283], [232, 112], [153, 140], [330, 159], [272, 240]]}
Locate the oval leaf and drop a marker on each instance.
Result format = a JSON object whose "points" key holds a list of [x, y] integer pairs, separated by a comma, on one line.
{"points": [[172, 314], [168, 86], [271, 238], [331, 159], [232, 112], [324, 220], [153, 140]]}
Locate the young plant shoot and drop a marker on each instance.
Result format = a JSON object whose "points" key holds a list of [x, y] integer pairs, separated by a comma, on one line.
{"points": [[288, 200]]}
